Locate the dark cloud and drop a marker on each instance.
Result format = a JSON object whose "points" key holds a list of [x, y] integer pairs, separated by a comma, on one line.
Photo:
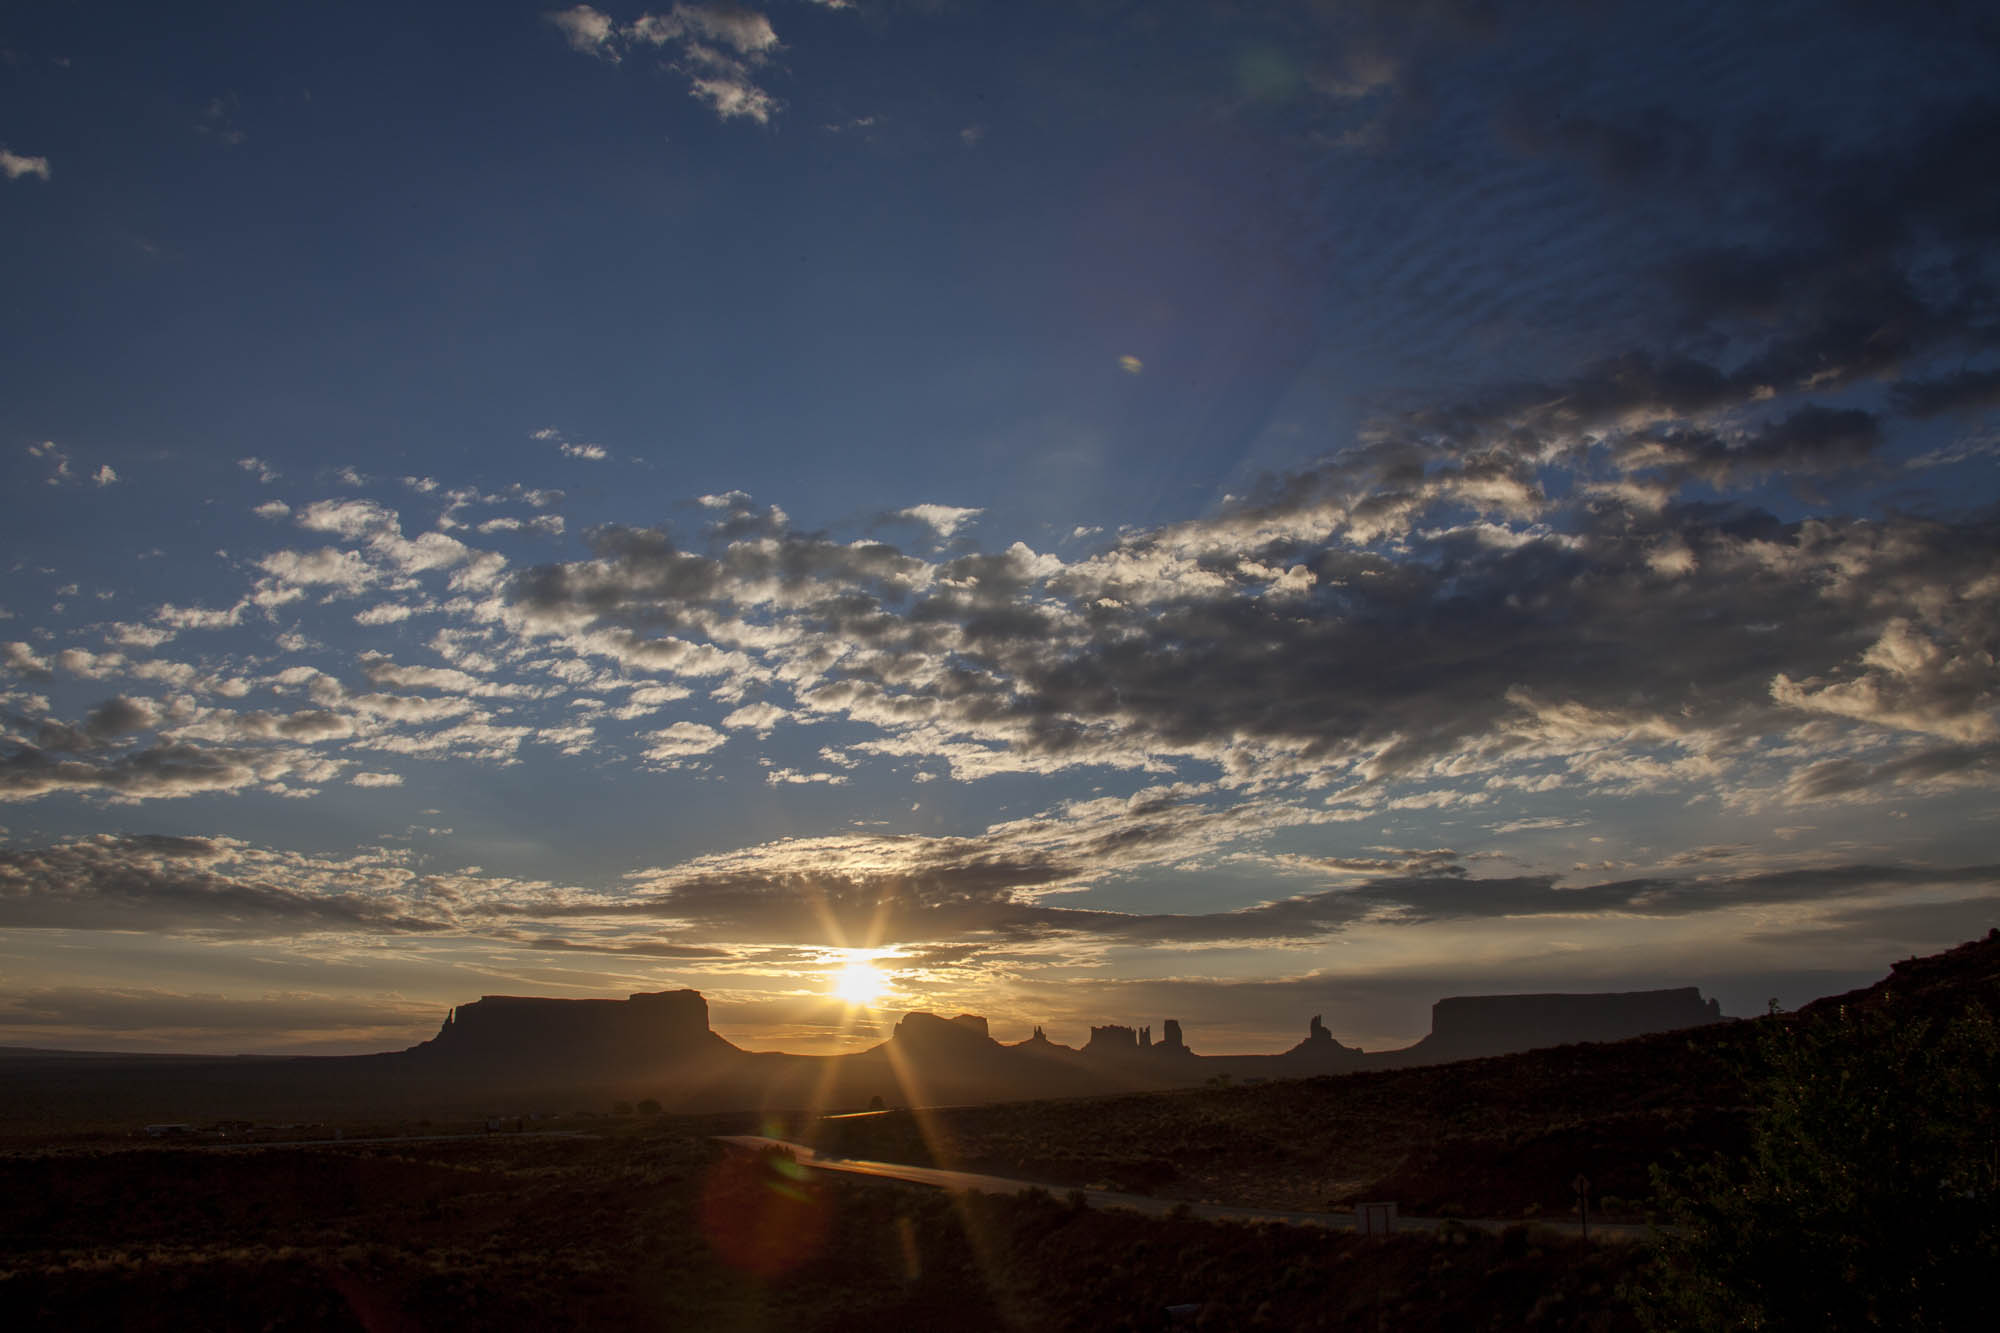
{"points": [[955, 893], [120, 716], [1810, 441], [170, 768], [1965, 765], [637, 948], [1966, 391], [198, 886]]}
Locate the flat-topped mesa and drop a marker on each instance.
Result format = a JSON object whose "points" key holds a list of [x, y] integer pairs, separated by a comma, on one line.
{"points": [[929, 1032], [1466, 1026], [528, 1033]]}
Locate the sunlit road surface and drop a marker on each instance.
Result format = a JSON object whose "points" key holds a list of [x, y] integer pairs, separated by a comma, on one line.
{"points": [[1139, 1203]]}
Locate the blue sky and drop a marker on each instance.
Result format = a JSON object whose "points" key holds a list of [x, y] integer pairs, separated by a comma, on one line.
{"points": [[1110, 510]]}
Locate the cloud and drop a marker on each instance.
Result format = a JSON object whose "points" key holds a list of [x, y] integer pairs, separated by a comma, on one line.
{"points": [[104, 476], [587, 30], [377, 779], [56, 458], [730, 95], [19, 658], [164, 769], [758, 716], [640, 948], [1966, 391], [1272, 642], [680, 741], [260, 469], [742, 30], [204, 885], [717, 48], [570, 449], [1007, 884], [328, 566], [16, 165], [387, 613], [945, 520]]}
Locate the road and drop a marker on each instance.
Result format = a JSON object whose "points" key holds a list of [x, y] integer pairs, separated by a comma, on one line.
{"points": [[494, 1135], [1140, 1203]]}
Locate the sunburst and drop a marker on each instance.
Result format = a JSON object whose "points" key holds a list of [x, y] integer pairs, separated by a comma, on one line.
{"points": [[860, 984]]}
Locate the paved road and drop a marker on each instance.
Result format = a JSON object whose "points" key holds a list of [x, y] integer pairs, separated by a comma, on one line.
{"points": [[495, 1135], [1140, 1203]]}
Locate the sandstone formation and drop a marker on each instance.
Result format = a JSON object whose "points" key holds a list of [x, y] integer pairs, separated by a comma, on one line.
{"points": [[523, 1035], [1467, 1026]]}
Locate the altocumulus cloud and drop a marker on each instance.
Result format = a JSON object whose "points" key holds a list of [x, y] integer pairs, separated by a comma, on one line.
{"points": [[718, 49]]}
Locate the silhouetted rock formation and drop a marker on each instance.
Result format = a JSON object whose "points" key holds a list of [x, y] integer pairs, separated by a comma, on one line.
{"points": [[1319, 1053], [506, 1051], [523, 1035], [928, 1032], [1467, 1026], [1114, 1040]]}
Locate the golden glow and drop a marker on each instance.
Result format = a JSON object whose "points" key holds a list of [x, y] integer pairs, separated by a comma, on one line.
{"points": [[860, 984]]}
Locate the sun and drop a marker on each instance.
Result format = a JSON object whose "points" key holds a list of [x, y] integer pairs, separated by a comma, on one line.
{"points": [[860, 984]]}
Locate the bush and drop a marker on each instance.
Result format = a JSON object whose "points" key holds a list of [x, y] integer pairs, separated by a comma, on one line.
{"points": [[1869, 1197]]}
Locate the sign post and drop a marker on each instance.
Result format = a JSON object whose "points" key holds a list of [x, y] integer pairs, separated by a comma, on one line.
{"points": [[1582, 1187]]}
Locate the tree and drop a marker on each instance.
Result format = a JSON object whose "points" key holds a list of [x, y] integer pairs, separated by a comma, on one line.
{"points": [[649, 1107], [1869, 1196]]}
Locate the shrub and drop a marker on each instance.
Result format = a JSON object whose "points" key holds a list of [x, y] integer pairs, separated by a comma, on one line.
{"points": [[1869, 1197]]}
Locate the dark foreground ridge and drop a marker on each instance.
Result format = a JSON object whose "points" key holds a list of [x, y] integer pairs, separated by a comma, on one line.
{"points": [[509, 1055]]}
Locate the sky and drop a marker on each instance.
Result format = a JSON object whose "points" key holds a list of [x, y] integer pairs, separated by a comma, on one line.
{"points": [[1105, 510]]}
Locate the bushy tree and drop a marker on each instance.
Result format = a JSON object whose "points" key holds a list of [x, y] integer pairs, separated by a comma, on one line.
{"points": [[1869, 1197]]}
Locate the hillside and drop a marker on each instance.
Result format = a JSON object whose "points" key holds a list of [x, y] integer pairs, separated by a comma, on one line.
{"points": [[1498, 1137]]}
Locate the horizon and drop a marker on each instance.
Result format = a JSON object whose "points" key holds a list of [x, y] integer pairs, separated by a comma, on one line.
{"points": [[1125, 1023], [857, 508]]}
